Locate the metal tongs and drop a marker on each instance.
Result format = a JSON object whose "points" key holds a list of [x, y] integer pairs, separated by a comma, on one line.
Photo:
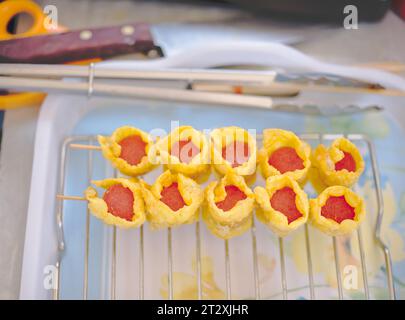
{"points": [[244, 88]]}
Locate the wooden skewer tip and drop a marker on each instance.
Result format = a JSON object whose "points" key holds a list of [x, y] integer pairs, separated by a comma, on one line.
{"points": [[63, 197], [84, 146]]}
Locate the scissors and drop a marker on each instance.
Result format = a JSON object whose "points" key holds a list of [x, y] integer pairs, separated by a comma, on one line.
{"points": [[8, 10]]}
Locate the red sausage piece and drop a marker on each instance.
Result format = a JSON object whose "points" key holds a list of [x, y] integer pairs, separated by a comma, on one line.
{"points": [[283, 200], [233, 195], [120, 201], [237, 153], [185, 150], [132, 149], [171, 197], [286, 159], [347, 163], [336, 208]]}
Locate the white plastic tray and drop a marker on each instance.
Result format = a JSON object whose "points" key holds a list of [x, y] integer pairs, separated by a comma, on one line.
{"points": [[63, 115]]}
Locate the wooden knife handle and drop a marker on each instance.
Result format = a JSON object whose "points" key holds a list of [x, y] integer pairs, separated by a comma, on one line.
{"points": [[78, 45]]}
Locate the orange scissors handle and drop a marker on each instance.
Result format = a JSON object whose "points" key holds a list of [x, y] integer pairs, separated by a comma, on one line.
{"points": [[8, 10], [11, 8]]}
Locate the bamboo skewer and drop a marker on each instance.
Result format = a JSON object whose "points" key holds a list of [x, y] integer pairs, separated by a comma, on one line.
{"points": [[84, 146], [64, 197]]}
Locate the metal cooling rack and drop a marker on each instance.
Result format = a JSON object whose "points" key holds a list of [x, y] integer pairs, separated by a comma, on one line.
{"points": [[70, 143]]}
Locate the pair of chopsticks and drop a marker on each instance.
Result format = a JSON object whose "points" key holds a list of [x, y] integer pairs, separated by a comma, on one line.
{"points": [[212, 87], [51, 79]]}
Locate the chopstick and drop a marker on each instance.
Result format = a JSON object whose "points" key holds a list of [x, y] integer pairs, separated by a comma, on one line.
{"points": [[214, 87], [64, 71], [291, 89], [120, 90]]}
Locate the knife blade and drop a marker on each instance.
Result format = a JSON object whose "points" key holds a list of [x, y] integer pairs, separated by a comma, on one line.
{"points": [[175, 37], [155, 40]]}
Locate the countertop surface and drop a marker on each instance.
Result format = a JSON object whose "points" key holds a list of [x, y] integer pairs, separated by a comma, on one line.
{"points": [[371, 43]]}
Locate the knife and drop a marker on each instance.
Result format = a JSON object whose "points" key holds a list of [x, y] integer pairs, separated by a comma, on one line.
{"points": [[152, 40], [141, 38]]}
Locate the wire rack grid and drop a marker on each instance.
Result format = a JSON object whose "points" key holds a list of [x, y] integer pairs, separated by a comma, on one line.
{"points": [[69, 144]]}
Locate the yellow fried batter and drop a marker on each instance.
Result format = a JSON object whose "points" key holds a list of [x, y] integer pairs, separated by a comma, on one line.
{"points": [[199, 166], [222, 137], [273, 218], [159, 214], [274, 139], [234, 222], [112, 150], [98, 207], [324, 160], [330, 226]]}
